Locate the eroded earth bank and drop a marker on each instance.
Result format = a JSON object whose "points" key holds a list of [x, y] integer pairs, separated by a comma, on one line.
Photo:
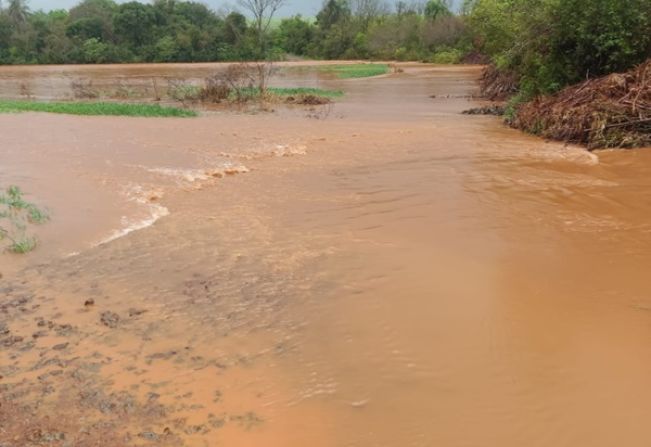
{"points": [[381, 272]]}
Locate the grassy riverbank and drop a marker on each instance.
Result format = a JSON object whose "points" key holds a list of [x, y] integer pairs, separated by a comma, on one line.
{"points": [[95, 108]]}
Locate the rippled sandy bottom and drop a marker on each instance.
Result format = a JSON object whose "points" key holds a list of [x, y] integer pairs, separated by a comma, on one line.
{"points": [[405, 276]]}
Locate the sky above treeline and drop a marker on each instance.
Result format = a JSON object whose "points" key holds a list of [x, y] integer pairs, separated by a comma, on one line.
{"points": [[308, 8]]}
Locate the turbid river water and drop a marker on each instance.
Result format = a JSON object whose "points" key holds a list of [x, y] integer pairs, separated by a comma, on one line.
{"points": [[381, 272]]}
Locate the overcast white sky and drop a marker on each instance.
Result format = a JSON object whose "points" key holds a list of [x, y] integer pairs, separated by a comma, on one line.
{"points": [[307, 8]]}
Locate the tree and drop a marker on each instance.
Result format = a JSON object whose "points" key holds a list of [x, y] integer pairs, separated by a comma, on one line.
{"points": [[437, 8], [333, 12], [17, 12], [548, 44], [414, 7], [263, 12], [134, 22], [234, 28], [601, 36], [97, 14], [86, 28], [295, 35], [368, 10]]}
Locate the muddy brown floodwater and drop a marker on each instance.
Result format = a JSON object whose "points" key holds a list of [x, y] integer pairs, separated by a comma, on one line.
{"points": [[386, 272]]}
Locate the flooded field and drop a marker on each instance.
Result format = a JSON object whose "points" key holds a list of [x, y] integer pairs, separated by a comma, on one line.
{"points": [[136, 82], [381, 272]]}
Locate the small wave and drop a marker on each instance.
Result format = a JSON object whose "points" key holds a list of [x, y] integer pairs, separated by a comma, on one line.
{"points": [[283, 150], [278, 150], [571, 154], [188, 175], [195, 175], [148, 199]]}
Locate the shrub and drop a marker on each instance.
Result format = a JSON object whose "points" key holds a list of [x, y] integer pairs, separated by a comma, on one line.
{"points": [[451, 56], [180, 91], [549, 44]]}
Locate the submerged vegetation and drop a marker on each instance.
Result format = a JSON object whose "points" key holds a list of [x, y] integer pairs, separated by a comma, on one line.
{"points": [[295, 91], [244, 82], [357, 70], [296, 95], [16, 215], [95, 108]]}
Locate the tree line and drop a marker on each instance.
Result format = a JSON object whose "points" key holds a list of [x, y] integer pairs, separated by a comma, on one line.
{"points": [[103, 31]]}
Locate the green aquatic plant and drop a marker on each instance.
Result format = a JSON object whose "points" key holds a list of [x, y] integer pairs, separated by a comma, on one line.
{"points": [[16, 215]]}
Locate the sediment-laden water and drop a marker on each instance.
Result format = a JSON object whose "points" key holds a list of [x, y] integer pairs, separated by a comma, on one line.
{"points": [[391, 273]]}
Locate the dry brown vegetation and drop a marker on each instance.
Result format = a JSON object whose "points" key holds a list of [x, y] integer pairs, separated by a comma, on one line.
{"points": [[498, 85], [607, 112]]}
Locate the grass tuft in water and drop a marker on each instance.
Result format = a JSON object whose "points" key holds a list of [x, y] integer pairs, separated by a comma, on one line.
{"points": [[95, 108], [16, 214], [357, 70], [22, 246]]}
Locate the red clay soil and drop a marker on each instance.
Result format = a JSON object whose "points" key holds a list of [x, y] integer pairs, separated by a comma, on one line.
{"points": [[609, 112]]}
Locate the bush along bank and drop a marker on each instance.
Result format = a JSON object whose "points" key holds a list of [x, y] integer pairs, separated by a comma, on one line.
{"points": [[613, 111], [555, 61]]}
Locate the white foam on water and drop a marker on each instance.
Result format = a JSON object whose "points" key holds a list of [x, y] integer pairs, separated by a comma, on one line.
{"points": [[275, 150], [284, 150], [188, 175], [148, 198], [155, 211], [193, 175], [571, 154]]}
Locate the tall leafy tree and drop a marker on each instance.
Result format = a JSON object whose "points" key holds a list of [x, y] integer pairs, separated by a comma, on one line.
{"points": [[437, 8], [17, 10], [295, 35], [134, 22], [333, 12]]}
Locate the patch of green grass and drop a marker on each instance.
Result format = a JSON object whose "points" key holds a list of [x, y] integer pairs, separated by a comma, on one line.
{"points": [[95, 108], [357, 70]]}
